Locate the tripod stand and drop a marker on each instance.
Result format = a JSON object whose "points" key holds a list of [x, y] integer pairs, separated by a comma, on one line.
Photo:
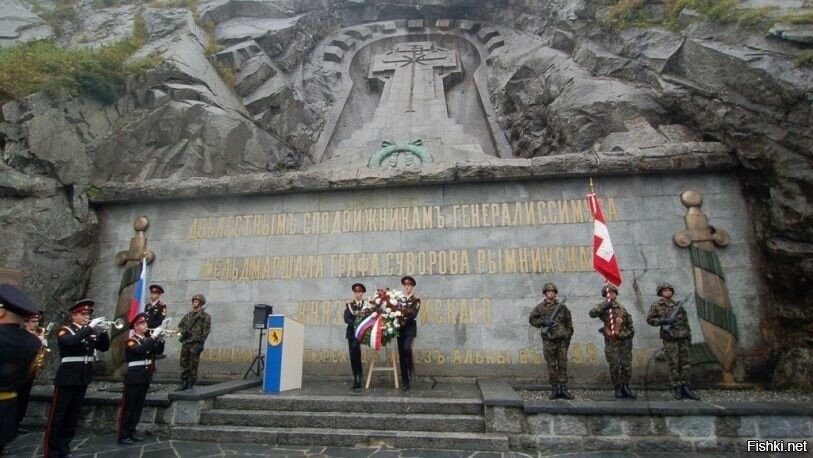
{"points": [[259, 360]]}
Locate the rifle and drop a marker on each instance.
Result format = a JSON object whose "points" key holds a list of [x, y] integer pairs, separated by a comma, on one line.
{"points": [[667, 328], [547, 330]]}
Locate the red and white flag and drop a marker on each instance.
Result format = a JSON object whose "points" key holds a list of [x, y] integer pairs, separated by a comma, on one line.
{"points": [[604, 260]]}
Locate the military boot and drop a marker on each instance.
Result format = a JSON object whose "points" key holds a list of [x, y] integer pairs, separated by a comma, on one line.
{"points": [[563, 393], [679, 392], [184, 385], [619, 393], [554, 391], [356, 381], [625, 389], [192, 384], [689, 393]]}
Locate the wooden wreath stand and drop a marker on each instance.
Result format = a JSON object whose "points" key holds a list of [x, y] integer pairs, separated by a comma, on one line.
{"points": [[390, 365]]}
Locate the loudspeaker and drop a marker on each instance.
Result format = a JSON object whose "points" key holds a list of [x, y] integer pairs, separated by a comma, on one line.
{"points": [[261, 312]]}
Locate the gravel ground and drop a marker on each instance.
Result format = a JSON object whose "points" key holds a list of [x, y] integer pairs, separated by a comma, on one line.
{"points": [[712, 395]]}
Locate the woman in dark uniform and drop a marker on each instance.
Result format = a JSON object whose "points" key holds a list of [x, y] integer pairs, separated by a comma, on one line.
{"points": [[351, 309]]}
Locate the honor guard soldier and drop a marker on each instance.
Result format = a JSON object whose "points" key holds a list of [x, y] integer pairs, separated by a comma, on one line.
{"points": [[138, 351], [676, 337], [409, 330], [554, 318], [156, 311], [78, 343], [194, 328], [18, 350], [32, 325], [618, 332], [352, 309]]}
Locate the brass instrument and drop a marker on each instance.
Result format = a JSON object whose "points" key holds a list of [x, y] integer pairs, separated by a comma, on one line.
{"points": [[42, 333], [118, 324], [167, 332]]}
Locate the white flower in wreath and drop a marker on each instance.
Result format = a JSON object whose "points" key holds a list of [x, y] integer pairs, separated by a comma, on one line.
{"points": [[387, 310], [398, 313]]}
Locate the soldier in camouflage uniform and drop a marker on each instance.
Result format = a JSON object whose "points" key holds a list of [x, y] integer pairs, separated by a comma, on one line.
{"points": [[556, 333], [194, 329], [618, 332], [676, 337]]}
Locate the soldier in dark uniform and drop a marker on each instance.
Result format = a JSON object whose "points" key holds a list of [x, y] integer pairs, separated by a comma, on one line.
{"points": [[194, 328], [32, 325], [78, 342], [138, 351], [156, 311], [351, 309], [18, 349], [409, 330], [676, 337], [556, 333], [618, 332]]}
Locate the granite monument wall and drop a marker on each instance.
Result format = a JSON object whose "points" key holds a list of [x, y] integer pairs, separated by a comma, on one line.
{"points": [[480, 253]]}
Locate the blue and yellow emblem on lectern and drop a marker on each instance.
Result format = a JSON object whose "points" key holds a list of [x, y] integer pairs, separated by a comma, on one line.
{"points": [[284, 354]]}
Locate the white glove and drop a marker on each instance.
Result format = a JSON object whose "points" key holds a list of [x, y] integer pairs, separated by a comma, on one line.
{"points": [[44, 342], [94, 323], [158, 332]]}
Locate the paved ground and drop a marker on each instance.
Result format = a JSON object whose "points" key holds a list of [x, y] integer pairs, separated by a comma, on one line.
{"points": [[29, 445]]}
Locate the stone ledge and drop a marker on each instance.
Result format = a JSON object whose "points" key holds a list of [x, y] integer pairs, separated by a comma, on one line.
{"points": [[683, 159], [201, 393], [666, 408], [497, 392]]}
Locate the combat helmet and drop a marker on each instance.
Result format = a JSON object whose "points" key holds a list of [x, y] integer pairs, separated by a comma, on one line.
{"points": [[606, 289], [550, 287], [200, 297], [664, 285]]}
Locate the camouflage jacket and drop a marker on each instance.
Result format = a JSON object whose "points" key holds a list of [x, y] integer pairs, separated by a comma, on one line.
{"points": [[564, 322], [195, 327], [661, 310], [617, 321]]}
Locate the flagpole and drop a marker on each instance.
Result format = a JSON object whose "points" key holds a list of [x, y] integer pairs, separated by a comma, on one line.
{"points": [[592, 191]]}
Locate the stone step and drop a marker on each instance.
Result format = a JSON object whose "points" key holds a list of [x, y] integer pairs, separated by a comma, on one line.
{"points": [[346, 420], [383, 404], [343, 437]]}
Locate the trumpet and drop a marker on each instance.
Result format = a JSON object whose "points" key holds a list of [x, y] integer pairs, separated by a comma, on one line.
{"points": [[167, 332], [118, 324]]}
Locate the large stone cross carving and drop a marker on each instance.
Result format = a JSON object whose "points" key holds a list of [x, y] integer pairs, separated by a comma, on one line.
{"points": [[131, 260], [413, 74], [714, 309]]}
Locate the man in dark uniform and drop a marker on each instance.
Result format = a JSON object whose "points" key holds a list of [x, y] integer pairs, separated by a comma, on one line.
{"points": [[18, 349], [156, 311], [78, 342], [194, 328], [409, 330], [676, 336], [32, 325], [138, 351], [618, 332], [557, 329], [352, 309]]}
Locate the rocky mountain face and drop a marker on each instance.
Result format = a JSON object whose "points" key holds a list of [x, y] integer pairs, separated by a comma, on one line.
{"points": [[241, 90]]}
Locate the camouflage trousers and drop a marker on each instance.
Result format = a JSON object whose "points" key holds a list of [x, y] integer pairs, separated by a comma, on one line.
{"points": [[555, 352], [618, 353], [190, 357], [677, 356]]}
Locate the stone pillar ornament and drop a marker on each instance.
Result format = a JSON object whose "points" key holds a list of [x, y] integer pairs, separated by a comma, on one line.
{"points": [[131, 260], [714, 310]]}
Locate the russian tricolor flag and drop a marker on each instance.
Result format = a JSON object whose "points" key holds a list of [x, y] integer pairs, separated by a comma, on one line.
{"points": [[139, 293]]}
